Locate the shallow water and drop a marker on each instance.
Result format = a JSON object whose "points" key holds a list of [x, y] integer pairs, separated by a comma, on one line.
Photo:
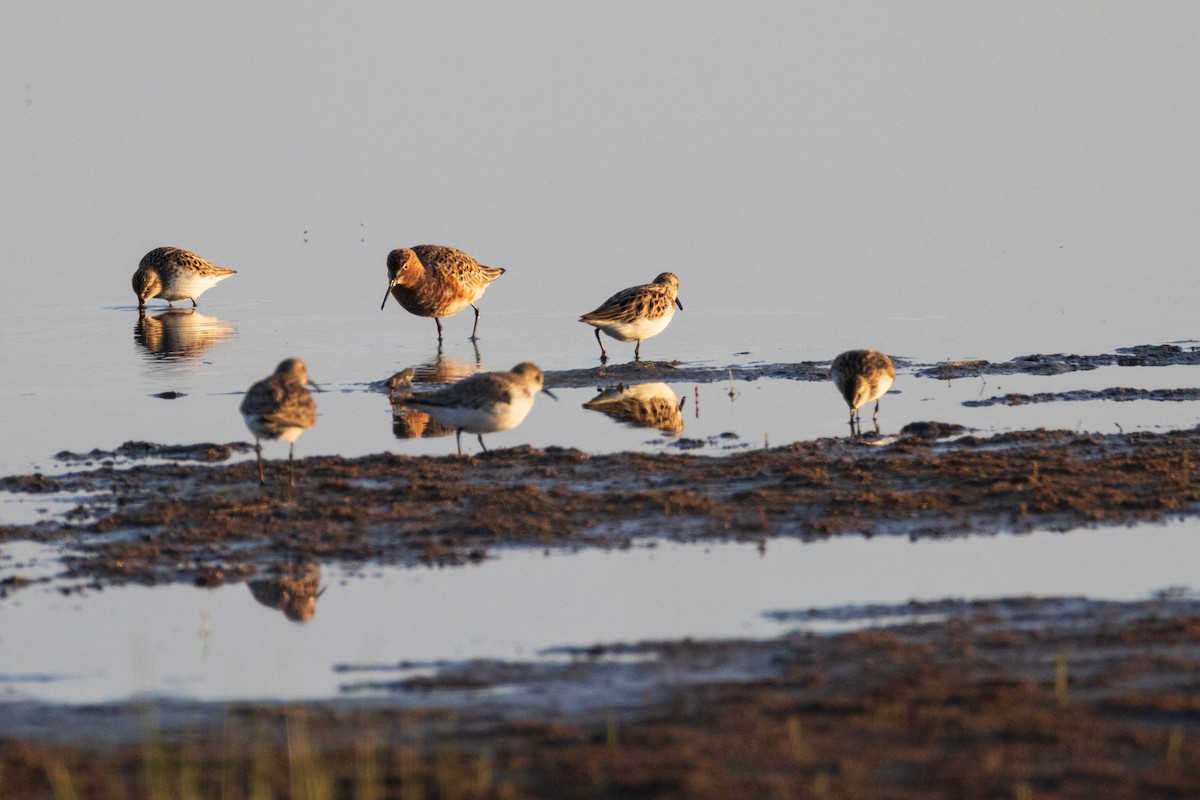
{"points": [[222, 643], [73, 403]]}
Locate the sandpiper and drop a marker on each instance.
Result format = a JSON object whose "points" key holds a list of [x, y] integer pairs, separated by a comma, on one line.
{"points": [[175, 274], [485, 403], [636, 313], [862, 376], [279, 407], [434, 281]]}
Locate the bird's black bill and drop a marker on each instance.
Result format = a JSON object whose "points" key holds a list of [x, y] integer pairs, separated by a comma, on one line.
{"points": [[552, 394], [385, 297], [679, 304]]}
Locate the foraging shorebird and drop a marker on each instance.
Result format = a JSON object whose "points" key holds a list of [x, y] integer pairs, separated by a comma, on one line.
{"points": [[433, 281], [862, 376], [280, 407], [636, 313], [175, 274], [485, 403]]}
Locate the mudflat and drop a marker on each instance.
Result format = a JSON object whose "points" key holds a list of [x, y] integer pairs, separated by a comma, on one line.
{"points": [[1017, 698]]}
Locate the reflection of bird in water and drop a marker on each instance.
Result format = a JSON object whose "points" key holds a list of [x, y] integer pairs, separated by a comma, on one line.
{"points": [[862, 376], [408, 423], [175, 274], [636, 313], [440, 369], [279, 407], [485, 403], [292, 588], [179, 333], [434, 281], [643, 405]]}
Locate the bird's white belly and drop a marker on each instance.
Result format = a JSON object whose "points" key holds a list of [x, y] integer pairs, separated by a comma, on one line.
{"points": [[864, 394], [185, 287], [500, 417], [638, 329], [256, 426]]}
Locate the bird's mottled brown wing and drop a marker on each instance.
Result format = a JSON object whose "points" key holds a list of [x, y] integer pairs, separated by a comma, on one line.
{"points": [[638, 302], [280, 404], [166, 259], [476, 391], [450, 264]]}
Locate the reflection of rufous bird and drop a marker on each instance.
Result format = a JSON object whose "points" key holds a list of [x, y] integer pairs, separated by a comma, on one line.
{"points": [[179, 333], [280, 407], [636, 313], [292, 588], [433, 281], [862, 376], [643, 405], [408, 423], [484, 403], [175, 274]]}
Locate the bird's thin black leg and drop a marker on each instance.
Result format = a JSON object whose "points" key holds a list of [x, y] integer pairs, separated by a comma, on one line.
{"points": [[262, 480], [475, 327], [603, 354], [481, 444], [438, 322]]}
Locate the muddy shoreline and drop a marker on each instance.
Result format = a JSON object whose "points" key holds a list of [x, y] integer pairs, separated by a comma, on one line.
{"points": [[1058, 697], [212, 523]]}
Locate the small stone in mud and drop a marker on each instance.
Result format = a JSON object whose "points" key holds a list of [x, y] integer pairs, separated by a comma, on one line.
{"points": [[210, 577], [169, 395]]}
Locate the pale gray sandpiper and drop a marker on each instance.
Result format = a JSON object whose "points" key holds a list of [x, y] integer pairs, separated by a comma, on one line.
{"points": [[862, 376], [636, 313], [280, 407], [434, 281], [485, 403], [175, 274]]}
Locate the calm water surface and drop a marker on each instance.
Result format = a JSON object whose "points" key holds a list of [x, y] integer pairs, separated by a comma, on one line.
{"points": [[222, 643]]}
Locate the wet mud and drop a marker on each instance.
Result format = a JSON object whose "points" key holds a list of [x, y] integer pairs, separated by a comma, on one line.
{"points": [[1118, 394], [169, 522], [1050, 698], [1146, 355]]}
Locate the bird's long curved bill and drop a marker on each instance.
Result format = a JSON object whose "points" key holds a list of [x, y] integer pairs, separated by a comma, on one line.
{"points": [[385, 297], [676, 303]]}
